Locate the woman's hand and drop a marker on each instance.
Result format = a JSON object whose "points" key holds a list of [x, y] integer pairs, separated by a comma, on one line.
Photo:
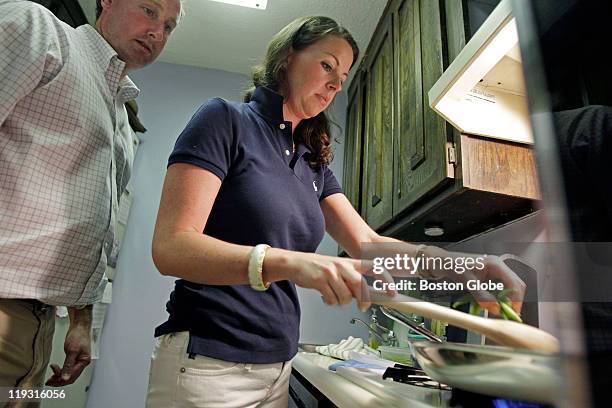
{"points": [[496, 270], [339, 280], [489, 268]]}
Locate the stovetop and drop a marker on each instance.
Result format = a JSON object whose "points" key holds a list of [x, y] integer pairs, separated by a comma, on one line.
{"points": [[457, 398]]}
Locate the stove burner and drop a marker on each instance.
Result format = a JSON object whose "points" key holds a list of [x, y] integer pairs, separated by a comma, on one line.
{"points": [[458, 398], [466, 399]]}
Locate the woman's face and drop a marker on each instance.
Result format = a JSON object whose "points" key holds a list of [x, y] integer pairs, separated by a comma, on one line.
{"points": [[314, 76]]}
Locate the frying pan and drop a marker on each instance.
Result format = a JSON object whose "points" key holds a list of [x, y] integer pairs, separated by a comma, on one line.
{"points": [[496, 371], [527, 368]]}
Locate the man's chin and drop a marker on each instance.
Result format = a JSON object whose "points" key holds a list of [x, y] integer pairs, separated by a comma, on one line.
{"points": [[138, 63], [133, 62]]}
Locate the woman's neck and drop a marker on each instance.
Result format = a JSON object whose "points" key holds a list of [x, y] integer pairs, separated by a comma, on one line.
{"points": [[289, 116]]}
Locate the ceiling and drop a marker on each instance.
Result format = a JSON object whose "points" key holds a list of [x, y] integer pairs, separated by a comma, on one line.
{"points": [[232, 38]]}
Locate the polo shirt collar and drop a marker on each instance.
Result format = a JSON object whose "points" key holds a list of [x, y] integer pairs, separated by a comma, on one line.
{"points": [[301, 150], [107, 58], [269, 104]]}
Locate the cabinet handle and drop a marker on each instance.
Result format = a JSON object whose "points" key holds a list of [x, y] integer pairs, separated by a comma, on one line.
{"points": [[375, 200]]}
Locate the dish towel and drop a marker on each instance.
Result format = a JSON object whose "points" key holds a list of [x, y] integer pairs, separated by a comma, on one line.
{"points": [[343, 349]]}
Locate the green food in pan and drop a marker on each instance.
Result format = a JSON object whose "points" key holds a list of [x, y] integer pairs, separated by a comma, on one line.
{"points": [[505, 305]]}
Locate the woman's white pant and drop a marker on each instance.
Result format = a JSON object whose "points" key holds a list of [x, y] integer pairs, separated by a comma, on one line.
{"points": [[177, 381]]}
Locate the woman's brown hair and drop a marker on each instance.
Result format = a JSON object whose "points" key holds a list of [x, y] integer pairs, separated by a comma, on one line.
{"points": [[314, 132]]}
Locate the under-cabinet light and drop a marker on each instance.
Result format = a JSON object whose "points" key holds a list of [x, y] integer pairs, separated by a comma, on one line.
{"points": [[258, 4], [434, 231]]}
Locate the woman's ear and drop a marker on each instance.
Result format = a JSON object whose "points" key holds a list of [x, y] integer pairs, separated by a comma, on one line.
{"points": [[289, 56], [106, 3]]}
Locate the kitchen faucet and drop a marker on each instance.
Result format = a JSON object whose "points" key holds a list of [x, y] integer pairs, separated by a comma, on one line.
{"points": [[407, 321], [387, 338]]}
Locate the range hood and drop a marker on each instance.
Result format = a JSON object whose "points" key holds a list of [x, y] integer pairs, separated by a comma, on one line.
{"points": [[483, 90]]}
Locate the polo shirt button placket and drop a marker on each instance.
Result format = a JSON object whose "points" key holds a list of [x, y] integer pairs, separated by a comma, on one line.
{"points": [[282, 126]]}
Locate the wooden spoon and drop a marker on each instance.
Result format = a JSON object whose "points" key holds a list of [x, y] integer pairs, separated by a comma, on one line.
{"points": [[503, 332]]}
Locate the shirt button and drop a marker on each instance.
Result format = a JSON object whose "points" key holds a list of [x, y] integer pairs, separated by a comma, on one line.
{"points": [[287, 152], [281, 126]]}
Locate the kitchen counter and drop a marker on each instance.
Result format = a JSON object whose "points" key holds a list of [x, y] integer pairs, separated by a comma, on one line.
{"points": [[343, 390]]}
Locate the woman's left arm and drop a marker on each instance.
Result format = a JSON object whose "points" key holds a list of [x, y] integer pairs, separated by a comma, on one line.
{"points": [[347, 227]]}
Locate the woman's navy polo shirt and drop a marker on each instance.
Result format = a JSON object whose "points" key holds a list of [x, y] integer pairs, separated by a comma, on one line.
{"points": [[268, 195]]}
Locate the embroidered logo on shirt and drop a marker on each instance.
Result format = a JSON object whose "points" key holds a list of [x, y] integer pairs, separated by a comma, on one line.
{"points": [[314, 185]]}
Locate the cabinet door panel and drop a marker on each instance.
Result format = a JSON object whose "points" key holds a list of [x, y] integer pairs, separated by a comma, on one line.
{"points": [[377, 197], [352, 147], [420, 143]]}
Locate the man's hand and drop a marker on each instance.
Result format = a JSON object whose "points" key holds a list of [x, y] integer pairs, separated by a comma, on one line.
{"points": [[77, 348]]}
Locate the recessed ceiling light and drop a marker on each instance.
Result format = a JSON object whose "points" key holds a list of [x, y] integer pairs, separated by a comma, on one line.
{"points": [[258, 4]]}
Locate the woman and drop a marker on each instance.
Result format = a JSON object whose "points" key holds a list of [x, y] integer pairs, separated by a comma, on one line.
{"points": [[243, 176]]}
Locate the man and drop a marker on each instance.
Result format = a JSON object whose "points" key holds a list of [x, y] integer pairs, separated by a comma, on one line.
{"points": [[66, 151]]}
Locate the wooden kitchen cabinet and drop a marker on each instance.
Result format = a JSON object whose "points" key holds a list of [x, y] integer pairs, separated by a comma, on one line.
{"points": [[417, 171], [353, 145], [419, 152], [377, 186], [404, 142]]}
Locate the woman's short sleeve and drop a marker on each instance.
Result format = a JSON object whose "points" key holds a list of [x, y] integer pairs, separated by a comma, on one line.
{"points": [[208, 139], [330, 183]]}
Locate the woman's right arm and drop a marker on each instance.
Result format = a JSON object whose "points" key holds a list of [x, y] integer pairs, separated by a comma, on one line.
{"points": [[180, 248]]}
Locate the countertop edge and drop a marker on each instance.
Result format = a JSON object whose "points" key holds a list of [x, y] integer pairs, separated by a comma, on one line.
{"points": [[340, 391]]}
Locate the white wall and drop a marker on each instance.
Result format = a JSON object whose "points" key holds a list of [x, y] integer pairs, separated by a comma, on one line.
{"points": [[170, 94]]}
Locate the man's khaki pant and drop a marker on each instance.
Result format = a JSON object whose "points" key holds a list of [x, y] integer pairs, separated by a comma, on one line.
{"points": [[26, 336], [175, 380]]}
